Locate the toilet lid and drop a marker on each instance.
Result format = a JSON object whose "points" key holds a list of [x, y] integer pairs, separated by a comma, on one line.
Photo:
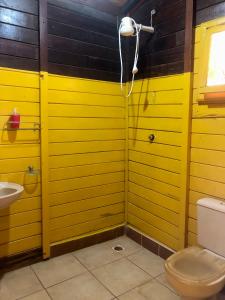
{"points": [[196, 265]]}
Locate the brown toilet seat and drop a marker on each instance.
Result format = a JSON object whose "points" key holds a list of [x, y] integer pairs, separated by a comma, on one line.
{"points": [[196, 266]]}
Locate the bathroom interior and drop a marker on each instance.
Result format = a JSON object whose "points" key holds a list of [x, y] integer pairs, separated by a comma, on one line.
{"points": [[112, 149]]}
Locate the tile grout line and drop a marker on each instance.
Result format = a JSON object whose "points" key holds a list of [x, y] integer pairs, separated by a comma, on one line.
{"points": [[89, 271], [41, 282], [43, 288]]}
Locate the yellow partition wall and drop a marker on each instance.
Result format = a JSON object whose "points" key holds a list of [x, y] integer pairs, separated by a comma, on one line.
{"points": [[157, 171], [20, 224], [207, 166], [86, 157], [83, 138]]}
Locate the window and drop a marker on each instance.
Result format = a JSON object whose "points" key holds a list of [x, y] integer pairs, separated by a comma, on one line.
{"points": [[216, 66], [211, 83]]}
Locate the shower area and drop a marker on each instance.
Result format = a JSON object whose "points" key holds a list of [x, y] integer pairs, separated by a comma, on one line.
{"points": [[94, 163]]}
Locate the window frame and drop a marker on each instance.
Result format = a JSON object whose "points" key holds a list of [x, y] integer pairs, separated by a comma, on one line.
{"points": [[209, 93]]}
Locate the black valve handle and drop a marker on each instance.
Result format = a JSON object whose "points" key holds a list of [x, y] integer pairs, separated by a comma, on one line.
{"points": [[151, 138]]}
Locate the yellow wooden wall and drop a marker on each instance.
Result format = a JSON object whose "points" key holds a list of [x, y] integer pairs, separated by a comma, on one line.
{"points": [[86, 156], [157, 184], [207, 166], [86, 120], [20, 225]]}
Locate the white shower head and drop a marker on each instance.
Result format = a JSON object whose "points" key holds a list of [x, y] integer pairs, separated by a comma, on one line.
{"points": [[126, 27]]}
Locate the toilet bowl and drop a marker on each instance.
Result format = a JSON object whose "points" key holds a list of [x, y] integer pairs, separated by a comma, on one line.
{"points": [[195, 273], [199, 273]]}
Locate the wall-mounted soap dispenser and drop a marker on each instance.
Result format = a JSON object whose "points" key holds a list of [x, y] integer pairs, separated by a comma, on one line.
{"points": [[14, 120]]}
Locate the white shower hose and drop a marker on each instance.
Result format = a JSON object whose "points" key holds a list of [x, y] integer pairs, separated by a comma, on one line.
{"points": [[135, 69]]}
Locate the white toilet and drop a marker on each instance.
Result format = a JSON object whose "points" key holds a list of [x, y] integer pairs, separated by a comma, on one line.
{"points": [[197, 273]]}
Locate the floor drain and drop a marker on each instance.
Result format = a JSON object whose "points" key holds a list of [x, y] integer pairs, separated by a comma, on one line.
{"points": [[118, 248]]}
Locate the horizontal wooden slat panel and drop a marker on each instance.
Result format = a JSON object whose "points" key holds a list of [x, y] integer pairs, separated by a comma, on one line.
{"points": [[210, 125], [155, 173], [161, 137], [201, 185], [82, 85], [208, 111], [156, 124], [7, 137], [209, 157], [24, 108], [174, 82], [85, 147], [17, 78], [160, 111], [192, 211], [155, 209], [33, 242], [20, 34], [208, 141], [77, 183], [84, 98], [18, 18], [84, 205], [22, 205], [192, 225], [156, 149], [86, 216], [157, 222], [86, 170], [195, 196], [15, 165], [81, 123], [21, 232], [20, 219], [19, 151], [13, 93], [153, 232], [82, 111], [86, 135], [20, 178], [85, 158], [84, 228], [154, 196], [213, 173], [159, 97], [86, 193], [192, 239], [158, 186], [28, 6], [155, 161]]}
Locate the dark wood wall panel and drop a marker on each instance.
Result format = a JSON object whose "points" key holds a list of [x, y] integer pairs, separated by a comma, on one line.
{"points": [[207, 10], [19, 37], [80, 44], [161, 53], [28, 6]]}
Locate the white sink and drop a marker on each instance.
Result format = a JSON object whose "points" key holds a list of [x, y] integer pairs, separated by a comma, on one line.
{"points": [[9, 193]]}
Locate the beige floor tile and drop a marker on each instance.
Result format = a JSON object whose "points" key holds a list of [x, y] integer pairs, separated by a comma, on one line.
{"points": [[18, 284], [58, 269], [121, 276], [129, 245], [82, 287], [97, 255], [148, 261], [42, 295], [162, 279], [152, 290]]}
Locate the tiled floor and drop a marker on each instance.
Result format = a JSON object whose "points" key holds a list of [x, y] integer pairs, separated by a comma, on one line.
{"points": [[94, 273]]}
